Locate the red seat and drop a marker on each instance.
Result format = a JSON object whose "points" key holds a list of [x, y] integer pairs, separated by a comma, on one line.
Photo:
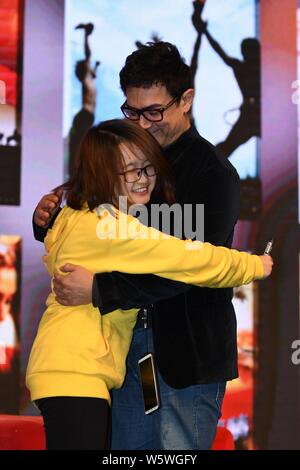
{"points": [[21, 433], [223, 440], [27, 433]]}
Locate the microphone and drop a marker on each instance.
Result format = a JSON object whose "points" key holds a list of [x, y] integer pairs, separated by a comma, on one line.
{"points": [[269, 247]]}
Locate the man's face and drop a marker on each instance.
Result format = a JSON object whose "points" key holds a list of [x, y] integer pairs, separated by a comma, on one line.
{"points": [[175, 119]]}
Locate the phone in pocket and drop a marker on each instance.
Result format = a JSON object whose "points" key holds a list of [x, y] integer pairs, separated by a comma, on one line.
{"points": [[149, 383]]}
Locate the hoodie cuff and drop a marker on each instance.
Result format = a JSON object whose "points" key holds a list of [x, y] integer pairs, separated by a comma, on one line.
{"points": [[260, 272]]}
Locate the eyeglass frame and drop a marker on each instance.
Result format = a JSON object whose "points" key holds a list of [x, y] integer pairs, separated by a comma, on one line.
{"points": [[142, 170], [141, 111]]}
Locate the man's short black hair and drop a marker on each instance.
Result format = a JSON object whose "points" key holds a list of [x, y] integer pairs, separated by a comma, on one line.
{"points": [[156, 63]]}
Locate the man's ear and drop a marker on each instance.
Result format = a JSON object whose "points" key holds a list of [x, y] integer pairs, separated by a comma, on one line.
{"points": [[187, 99]]}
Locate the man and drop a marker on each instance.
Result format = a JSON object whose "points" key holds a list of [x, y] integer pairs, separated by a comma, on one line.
{"points": [[193, 329]]}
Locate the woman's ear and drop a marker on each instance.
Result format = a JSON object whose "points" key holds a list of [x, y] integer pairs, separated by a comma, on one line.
{"points": [[187, 99]]}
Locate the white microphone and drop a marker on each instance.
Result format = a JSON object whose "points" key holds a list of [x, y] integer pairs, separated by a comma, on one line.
{"points": [[269, 247]]}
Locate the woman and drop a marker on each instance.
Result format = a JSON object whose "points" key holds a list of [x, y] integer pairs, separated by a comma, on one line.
{"points": [[78, 355]]}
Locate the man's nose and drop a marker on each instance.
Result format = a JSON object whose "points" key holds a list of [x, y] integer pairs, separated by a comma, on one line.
{"points": [[144, 123]]}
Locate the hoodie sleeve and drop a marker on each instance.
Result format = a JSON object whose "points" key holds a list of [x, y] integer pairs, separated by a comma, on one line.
{"points": [[137, 249]]}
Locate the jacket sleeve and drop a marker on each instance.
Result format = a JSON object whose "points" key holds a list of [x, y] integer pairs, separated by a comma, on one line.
{"points": [[122, 290], [222, 206], [40, 233]]}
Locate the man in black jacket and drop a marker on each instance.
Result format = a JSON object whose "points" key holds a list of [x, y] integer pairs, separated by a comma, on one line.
{"points": [[191, 330]]}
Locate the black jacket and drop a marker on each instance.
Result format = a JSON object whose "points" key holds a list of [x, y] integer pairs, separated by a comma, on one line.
{"points": [[194, 329]]}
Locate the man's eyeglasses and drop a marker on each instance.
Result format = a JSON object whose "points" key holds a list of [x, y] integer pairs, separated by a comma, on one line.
{"points": [[151, 114], [131, 176]]}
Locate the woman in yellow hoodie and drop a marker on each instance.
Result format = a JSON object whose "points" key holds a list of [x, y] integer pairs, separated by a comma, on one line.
{"points": [[78, 355]]}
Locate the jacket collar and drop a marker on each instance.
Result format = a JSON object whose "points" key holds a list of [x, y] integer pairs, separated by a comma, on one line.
{"points": [[176, 148]]}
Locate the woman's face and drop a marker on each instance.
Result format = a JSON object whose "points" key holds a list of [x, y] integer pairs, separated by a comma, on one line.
{"points": [[137, 192]]}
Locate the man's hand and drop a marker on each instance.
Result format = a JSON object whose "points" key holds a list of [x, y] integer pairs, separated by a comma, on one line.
{"points": [[46, 208], [75, 288]]}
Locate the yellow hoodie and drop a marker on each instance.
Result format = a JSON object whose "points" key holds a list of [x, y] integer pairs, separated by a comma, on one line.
{"points": [[77, 352]]}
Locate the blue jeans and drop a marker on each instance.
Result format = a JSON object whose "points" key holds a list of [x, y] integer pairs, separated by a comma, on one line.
{"points": [[186, 420]]}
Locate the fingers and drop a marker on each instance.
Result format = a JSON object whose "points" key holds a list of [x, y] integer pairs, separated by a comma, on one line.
{"points": [[269, 264], [60, 292], [59, 192], [62, 282], [49, 202], [68, 268], [58, 281], [41, 217], [45, 208], [62, 296], [59, 287], [62, 286]]}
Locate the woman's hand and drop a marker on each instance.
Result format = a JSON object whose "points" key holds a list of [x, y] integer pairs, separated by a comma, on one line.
{"points": [[267, 261]]}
